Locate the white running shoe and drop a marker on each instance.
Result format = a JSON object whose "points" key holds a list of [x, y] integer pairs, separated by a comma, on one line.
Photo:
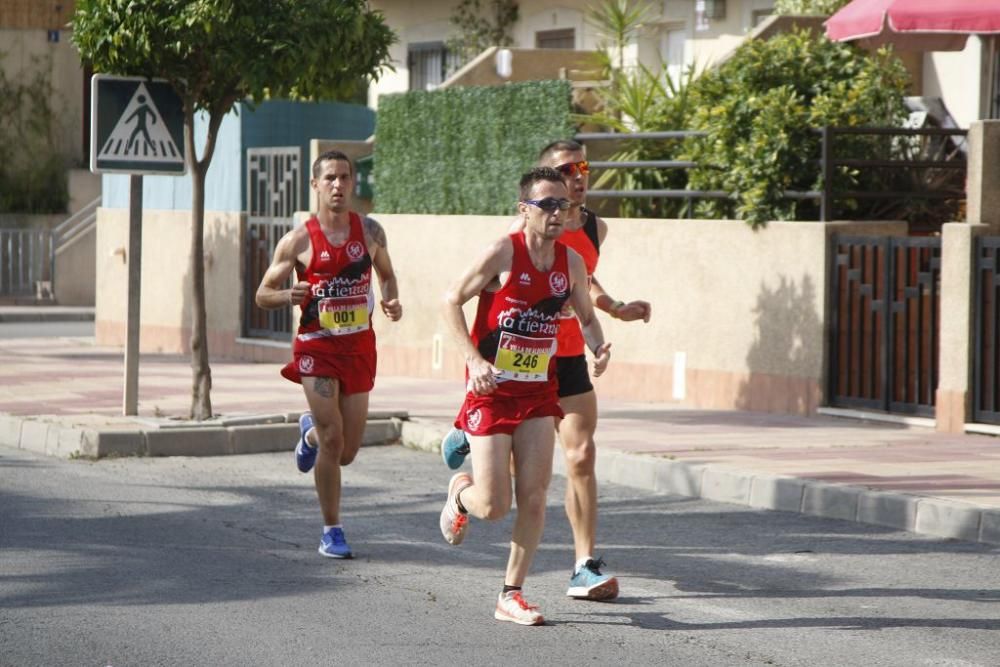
{"points": [[512, 607], [454, 523]]}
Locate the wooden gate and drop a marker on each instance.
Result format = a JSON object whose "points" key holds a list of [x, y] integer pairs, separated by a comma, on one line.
{"points": [[885, 311]]}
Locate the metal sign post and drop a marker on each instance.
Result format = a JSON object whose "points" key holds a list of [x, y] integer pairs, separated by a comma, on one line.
{"points": [[130, 402], [137, 127]]}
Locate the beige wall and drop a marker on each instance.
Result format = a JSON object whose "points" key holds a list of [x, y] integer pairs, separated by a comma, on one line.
{"points": [[745, 308], [166, 282], [526, 65], [74, 283]]}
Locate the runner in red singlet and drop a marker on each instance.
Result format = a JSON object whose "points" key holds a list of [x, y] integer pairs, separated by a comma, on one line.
{"points": [[584, 232], [523, 282], [334, 352]]}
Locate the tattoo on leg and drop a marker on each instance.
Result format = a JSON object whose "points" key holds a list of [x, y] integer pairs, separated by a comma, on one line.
{"points": [[324, 387]]}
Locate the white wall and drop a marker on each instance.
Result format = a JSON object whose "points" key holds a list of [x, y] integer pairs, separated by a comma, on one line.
{"points": [[958, 77], [427, 21]]}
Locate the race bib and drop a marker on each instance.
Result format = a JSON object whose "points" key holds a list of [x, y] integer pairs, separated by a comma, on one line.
{"points": [[524, 359], [344, 315]]}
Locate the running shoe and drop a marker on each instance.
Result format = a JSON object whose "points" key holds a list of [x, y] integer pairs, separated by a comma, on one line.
{"points": [[333, 544], [305, 454], [589, 584], [454, 448], [512, 607], [454, 523]]}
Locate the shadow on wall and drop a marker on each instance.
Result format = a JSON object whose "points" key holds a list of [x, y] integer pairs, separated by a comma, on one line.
{"points": [[785, 360]]}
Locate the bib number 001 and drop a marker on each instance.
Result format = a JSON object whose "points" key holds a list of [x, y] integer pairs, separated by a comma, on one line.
{"points": [[344, 315]]}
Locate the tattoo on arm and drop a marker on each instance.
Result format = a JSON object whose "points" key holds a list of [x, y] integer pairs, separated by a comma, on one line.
{"points": [[324, 387], [375, 231]]}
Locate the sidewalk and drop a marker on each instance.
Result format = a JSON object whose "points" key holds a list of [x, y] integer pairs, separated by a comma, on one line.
{"points": [[46, 313], [63, 396]]}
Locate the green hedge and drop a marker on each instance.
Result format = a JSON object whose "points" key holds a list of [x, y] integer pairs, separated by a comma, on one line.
{"points": [[463, 150]]}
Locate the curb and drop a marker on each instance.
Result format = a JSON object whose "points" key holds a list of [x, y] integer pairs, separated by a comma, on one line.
{"points": [[40, 315], [55, 436], [915, 514]]}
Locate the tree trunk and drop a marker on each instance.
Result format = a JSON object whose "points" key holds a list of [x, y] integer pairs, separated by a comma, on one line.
{"points": [[201, 399], [201, 386]]}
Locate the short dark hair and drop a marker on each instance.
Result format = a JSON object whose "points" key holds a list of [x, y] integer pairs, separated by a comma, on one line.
{"points": [[537, 175], [331, 155], [559, 145]]}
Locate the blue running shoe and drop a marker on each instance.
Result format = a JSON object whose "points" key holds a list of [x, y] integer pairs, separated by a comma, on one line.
{"points": [[454, 448], [589, 584], [305, 454], [333, 544]]}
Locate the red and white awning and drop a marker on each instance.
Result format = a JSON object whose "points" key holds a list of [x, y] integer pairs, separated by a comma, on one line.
{"points": [[914, 25]]}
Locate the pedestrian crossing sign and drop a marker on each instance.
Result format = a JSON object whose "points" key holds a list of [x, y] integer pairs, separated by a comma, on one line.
{"points": [[136, 126]]}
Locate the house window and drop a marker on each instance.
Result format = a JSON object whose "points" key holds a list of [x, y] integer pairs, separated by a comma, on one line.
{"points": [[564, 38], [430, 63]]}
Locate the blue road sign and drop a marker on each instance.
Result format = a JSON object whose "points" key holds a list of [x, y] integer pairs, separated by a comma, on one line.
{"points": [[137, 126]]}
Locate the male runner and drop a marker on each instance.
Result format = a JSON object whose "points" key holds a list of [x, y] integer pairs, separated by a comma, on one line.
{"points": [[523, 282], [583, 232], [334, 352]]}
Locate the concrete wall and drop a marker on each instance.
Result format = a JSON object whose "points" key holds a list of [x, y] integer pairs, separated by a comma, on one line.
{"points": [[738, 319], [960, 79], [75, 271], [743, 309], [526, 65], [166, 283]]}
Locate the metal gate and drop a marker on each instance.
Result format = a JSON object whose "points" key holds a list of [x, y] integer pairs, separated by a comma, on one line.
{"points": [[986, 350], [26, 259], [273, 180], [885, 312]]}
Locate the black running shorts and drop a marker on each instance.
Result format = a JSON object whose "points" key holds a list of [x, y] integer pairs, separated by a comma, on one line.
{"points": [[573, 376]]}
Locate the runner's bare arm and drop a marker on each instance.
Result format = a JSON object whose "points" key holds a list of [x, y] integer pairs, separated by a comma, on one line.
{"points": [[382, 263], [580, 300], [484, 271], [272, 293]]}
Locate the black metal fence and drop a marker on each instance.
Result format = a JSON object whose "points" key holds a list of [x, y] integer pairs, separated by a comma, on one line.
{"points": [[986, 318], [884, 323], [914, 164]]}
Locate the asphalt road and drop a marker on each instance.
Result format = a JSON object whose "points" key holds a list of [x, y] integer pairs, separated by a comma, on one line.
{"points": [[212, 561]]}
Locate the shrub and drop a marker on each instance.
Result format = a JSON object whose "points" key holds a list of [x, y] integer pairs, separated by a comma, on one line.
{"points": [[463, 150], [32, 167], [760, 109]]}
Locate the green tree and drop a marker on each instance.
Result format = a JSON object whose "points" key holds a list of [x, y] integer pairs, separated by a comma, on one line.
{"points": [[617, 24], [476, 31], [806, 7], [761, 108], [637, 99], [216, 53], [32, 160]]}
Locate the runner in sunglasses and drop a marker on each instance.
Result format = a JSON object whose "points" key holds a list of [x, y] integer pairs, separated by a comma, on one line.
{"points": [[584, 232], [522, 282]]}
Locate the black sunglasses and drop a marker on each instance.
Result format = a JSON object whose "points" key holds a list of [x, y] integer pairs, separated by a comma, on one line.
{"points": [[549, 204]]}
